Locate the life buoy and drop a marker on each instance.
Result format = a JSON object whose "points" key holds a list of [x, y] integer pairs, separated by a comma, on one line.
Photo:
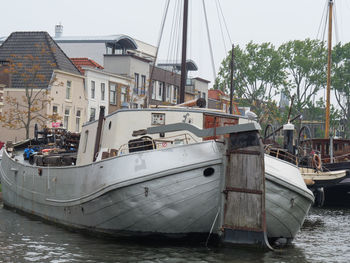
{"points": [[316, 161]]}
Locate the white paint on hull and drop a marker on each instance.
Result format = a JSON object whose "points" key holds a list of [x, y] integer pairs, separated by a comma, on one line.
{"points": [[146, 192]]}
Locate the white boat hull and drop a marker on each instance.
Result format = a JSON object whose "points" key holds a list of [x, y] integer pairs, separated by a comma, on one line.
{"points": [[145, 193]]}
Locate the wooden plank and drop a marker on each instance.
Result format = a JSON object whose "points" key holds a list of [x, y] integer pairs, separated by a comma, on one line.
{"points": [[244, 190]]}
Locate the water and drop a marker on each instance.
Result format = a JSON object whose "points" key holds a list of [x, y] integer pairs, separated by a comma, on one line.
{"points": [[324, 238]]}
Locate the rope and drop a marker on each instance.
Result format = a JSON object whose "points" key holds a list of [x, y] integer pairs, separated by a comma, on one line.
{"points": [[210, 47], [223, 17], [335, 24], [322, 17], [222, 33], [211, 229], [158, 44]]}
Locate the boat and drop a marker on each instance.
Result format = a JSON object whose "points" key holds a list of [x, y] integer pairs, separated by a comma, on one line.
{"points": [[164, 172], [159, 185], [331, 154]]}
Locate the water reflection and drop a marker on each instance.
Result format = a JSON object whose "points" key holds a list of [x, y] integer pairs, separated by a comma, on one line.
{"points": [[324, 238]]}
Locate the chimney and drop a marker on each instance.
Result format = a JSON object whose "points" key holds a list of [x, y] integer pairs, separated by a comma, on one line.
{"points": [[58, 30]]}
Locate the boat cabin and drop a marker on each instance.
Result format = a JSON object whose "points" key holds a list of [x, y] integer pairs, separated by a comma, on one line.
{"points": [[341, 148], [117, 129]]}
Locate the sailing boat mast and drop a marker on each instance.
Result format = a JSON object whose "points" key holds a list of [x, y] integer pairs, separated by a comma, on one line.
{"points": [[330, 5], [183, 57]]}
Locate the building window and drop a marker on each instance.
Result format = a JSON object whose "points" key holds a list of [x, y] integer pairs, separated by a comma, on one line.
{"points": [[92, 114], [160, 91], [66, 118], [112, 94], [68, 89], [203, 95], [54, 109], [103, 91], [77, 121], [153, 90], [124, 97], [143, 84], [92, 89], [136, 88], [168, 91]]}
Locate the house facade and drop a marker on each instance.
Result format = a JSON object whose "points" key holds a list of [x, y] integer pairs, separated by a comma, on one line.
{"points": [[165, 87], [119, 54], [133, 67], [106, 89], [218, 100], [43, 69], [69, 101], [4, 81]]}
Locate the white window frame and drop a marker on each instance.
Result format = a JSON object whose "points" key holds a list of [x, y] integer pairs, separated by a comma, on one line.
{"points": [[69, 90], [103, 91], [66, 118], [93, 89]]}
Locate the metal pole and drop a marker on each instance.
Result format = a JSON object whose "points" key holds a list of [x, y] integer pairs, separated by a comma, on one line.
{"points": [[183, 58], [99, 131], [231, 78], [329, 69]]}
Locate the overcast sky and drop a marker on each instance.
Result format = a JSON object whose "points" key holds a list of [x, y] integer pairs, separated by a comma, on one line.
{"points": [[275, 21]]}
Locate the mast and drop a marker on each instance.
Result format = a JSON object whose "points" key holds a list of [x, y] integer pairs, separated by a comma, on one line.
{"points": [[231, 78], [330, 4], [183, 57]]}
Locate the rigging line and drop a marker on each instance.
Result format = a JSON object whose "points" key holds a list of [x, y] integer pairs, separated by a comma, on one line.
{"points": [[325, 25], [336, 25], [172, 29], [210, 47], [158, 45], [179, 30], [222, 33], [223, 18], [172, 33], [190, 17], [322, 17]]}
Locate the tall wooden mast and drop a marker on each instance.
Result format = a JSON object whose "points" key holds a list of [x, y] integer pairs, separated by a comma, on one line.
{"points": [[183, 57], [330, 5]]}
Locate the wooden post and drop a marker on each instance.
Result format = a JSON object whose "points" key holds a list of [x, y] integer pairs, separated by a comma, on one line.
{"points": [[244, 219]]}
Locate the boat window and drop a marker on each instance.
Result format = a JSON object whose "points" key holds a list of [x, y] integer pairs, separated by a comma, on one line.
{"points": [[86, 140], [109, 125]]}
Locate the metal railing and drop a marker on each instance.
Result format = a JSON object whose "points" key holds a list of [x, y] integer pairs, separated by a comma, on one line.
{"points": [[158, 143]]}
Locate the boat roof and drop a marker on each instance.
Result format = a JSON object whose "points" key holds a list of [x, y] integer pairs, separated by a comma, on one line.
{"points": [[173, 109]]}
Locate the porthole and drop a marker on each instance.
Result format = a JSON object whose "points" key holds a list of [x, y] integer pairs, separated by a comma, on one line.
{"points": [[208, 171]]}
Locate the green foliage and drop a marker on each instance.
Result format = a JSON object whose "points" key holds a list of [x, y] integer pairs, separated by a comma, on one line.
{"points": [[341, 82], [305, 64], [258, 76]]}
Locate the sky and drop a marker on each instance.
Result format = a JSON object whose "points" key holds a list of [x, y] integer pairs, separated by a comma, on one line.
{"points": [[275, 21]]}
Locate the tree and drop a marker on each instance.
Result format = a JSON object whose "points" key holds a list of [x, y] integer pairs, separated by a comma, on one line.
{"points": [[305, 64], [258, 75], [21, 113], [341, 82]]}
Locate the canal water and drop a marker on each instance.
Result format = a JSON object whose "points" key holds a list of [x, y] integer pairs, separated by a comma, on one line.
{"points": [[325, 237]]}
